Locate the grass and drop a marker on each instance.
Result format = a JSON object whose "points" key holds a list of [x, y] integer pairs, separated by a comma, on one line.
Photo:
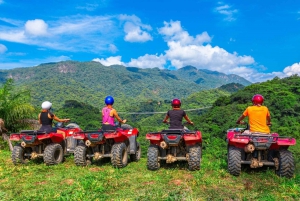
{"points": [[66, 181]]}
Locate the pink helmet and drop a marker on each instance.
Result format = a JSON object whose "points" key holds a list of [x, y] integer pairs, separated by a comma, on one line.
{"points": [[257, 99], [176, 102]]}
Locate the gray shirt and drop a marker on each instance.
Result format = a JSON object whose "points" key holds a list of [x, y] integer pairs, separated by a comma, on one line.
{"points": [[176, 118]]}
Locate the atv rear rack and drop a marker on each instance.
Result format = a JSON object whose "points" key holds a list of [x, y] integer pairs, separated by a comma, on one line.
{"points": [[261, 136], [174, 132], [33, 132]]}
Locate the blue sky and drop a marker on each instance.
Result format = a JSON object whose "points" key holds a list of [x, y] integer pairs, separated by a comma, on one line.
{"points": [[256, 39]]}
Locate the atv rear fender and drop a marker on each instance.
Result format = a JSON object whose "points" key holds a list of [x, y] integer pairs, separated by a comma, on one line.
{"points": [[192, 138], [154, 138], [80, 136], [15, 137], [121, 135]]}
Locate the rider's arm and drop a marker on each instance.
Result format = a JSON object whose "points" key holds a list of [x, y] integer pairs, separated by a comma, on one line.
{"points": [[240, 119], [188, 120], [115, 114], [40, 118], [268, 120], [166, 118], [58, 119]]}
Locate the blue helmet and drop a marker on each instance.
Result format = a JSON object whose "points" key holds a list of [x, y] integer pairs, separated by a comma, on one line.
{"points": [[109, 100]]}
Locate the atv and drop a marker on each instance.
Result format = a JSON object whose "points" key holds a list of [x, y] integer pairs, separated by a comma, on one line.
{"points": [[258, 150], [115, 144], [51, 146], [174, 145]]}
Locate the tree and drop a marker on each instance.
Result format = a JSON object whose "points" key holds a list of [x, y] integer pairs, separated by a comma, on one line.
{"points": [[15, 108]]}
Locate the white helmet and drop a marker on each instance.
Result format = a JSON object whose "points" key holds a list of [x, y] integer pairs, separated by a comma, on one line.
{"points": [[46, 105]]}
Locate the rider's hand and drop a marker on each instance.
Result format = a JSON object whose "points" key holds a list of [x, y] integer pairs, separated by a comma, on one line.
{"points": [[192, 123], [165, 121], [66, 120], [240, 122], [124, 121]]}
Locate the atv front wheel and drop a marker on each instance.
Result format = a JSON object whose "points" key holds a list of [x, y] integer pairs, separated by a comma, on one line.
{"points": [[152, 155], [53, 154], [119, 155], [80, 157], [137, 155], [18, 155], [286, 164], [194, 159], [234, 160]]}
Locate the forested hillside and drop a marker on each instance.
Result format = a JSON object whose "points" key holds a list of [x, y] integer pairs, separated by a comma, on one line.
{"points": [[90, 82], [89, 117]]}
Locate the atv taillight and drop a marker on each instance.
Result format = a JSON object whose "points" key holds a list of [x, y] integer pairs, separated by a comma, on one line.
{"points": [[27, 138], [94, 135], [172, 137]]}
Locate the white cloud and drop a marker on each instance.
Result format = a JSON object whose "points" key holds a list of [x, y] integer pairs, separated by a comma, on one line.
{"points": [[36, 27], [227, 11], [135, 30], [293, 69], [188, 50], [148, 61], [112, 48], [172, 31], [88, 7], [68, 33], [110, 61], [3, 49]]}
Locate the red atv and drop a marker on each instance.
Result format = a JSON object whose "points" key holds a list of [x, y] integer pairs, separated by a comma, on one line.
{"points": [[51, 146], [116, 144], [174, 145], [257, 150]]}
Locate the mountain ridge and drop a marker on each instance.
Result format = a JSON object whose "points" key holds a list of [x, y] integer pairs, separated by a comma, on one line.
{"points": [[91, 81]]}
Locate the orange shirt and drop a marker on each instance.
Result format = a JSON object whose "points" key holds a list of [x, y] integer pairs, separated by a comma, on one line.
{"points": [[258, 118]]}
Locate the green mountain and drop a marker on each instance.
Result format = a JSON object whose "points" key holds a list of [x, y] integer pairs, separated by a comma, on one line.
{"points": [[90, 82]]}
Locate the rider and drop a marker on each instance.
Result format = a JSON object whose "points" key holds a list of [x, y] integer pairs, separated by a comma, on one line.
{"points": [[176, 115], [46, 117], [109, 114], [258, 115]]}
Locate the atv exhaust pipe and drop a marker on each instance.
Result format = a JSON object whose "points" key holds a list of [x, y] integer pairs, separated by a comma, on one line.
{"points": [[23, 144], [163, 144], [249, 148]]}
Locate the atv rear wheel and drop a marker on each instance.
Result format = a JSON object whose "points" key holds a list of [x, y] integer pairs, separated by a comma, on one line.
{"points": [[137, 155], [194, 158], [286, 164], [234, 160], [119, 155], [18, 155], [152, 155], [53, 154], [80, 155]]}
